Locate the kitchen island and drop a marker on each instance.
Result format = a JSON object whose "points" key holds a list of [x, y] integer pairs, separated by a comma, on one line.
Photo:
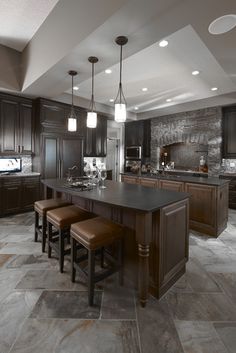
{"points": [[208, 211], [157, 221]]}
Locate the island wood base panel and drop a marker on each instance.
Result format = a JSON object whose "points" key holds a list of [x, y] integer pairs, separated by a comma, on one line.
{"points": [[167, 253]]}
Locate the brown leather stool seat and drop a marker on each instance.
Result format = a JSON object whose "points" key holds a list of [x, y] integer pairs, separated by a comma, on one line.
{"points": [[61, 219], [94, 234], [40, 210]]}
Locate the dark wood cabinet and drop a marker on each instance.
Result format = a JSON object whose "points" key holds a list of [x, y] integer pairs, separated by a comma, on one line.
{"points": [[229, 132], [58, 153], [138, 133], [16, 125], [95, 140], [9, 126], [18, 194]]}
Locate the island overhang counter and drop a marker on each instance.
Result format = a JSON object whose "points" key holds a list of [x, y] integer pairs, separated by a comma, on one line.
{"points": [[157, 220]]}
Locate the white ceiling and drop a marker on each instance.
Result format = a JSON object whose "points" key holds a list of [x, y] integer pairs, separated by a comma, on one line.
{"points": [[165, 71], [20, 19]]}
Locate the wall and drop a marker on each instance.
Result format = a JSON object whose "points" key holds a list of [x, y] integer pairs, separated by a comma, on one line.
{"points": [[203, 126]]}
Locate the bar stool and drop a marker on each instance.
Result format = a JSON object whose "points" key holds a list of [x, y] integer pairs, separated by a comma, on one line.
{"points": [[94, 234], [61, 219], [40, 210]]}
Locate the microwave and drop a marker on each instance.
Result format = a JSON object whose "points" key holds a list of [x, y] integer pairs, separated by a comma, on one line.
{"points": [[133, 152]]}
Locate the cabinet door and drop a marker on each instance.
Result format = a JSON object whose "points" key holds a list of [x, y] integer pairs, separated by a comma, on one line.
{"points": [[229, 132], [129, 179], [26, 133], [134, 133], [50, 156], [30, 192], [71, 154], [171, 185], [146, 138], [52, 114], [9, 126], [100, 137], [11, 194]]}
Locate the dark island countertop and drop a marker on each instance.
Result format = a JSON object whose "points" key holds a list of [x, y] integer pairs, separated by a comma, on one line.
{"points": [[187, 179], [124, 195]]}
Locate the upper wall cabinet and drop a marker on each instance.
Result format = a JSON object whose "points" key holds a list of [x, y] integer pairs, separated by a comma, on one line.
{"points": [[15, 125], [137, 133], [229, 132], [52, 116]]}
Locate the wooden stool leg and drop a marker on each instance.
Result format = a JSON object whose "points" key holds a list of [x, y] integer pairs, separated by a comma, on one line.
{"points": [[44, 232], [73, 258], [49, 239], [120, 262], [36, 225], [61, 250], [91, 270], [102, 257]]}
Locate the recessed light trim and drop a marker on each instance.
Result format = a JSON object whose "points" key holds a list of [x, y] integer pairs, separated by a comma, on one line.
{"points": [[214, 88], [75, 88], [168, 100], [222, 24], [108, 71], [163, 43], [111, 100], [136, 108], [195, 72], [144, 89]]}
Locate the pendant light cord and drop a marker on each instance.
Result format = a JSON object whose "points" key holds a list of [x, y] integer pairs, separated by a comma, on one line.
{"points": [[72, 89], [92, 86], [120, 84]]}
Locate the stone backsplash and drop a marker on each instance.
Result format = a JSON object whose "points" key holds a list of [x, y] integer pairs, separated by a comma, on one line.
{"points": [[202, 126]]}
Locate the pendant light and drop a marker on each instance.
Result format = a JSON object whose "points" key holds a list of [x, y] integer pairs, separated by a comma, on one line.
{"points": [[91, 115], [72, 119], [120, 102]]}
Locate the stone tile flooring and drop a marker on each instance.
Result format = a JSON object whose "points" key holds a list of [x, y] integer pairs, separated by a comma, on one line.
{"points": [[42, 311]]}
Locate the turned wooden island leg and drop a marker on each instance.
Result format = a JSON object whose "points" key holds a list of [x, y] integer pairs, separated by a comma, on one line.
{"points": [[143, 238]]}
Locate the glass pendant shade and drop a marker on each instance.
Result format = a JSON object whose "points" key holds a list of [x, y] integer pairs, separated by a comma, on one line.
{"points": [[120, 112], [91, 115], [72, 119], [72, 122], [91, 120], [120, 102]]}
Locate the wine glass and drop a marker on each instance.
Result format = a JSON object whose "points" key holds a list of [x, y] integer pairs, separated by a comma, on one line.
{"points": [[94, 173], [103, 173], [88, 172]]}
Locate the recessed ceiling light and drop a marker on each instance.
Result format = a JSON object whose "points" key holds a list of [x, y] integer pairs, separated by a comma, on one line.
{"points": [[163, 43], [136, 108], [108, 71], [222, 24], [214, 88], [169, 100], [195, 72], [75, 88], [111, 100], [144, 89]]}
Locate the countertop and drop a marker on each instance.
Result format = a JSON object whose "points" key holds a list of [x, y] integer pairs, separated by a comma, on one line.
{"points": [[188, 179], [15, 175], [123, 195]]}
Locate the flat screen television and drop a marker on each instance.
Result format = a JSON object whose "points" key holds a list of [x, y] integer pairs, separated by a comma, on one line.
{"points": [[10, 165]]}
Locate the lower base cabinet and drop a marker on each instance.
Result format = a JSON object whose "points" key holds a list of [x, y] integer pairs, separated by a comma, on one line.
{"points": [[208, 209], [18, 194]]}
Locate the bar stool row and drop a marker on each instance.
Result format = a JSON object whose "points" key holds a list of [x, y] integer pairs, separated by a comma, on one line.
{"points": [[68, 229]]}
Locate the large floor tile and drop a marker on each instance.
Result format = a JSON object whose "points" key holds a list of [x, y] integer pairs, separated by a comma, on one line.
{"points": [[227, 281], [14, 310], [32, 262], [8, 281], [77, 336], [227, 333], [4, 258], [24, 248], [199, 337], [157, 330], [118, 302], [201, 307], [49, 279], [71, 305]]}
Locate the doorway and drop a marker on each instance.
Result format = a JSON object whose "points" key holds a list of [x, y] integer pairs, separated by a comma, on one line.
{"points": [[113, 157]]}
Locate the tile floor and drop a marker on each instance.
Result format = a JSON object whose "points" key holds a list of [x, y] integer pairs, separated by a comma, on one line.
{"points": [[42, 311]]}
